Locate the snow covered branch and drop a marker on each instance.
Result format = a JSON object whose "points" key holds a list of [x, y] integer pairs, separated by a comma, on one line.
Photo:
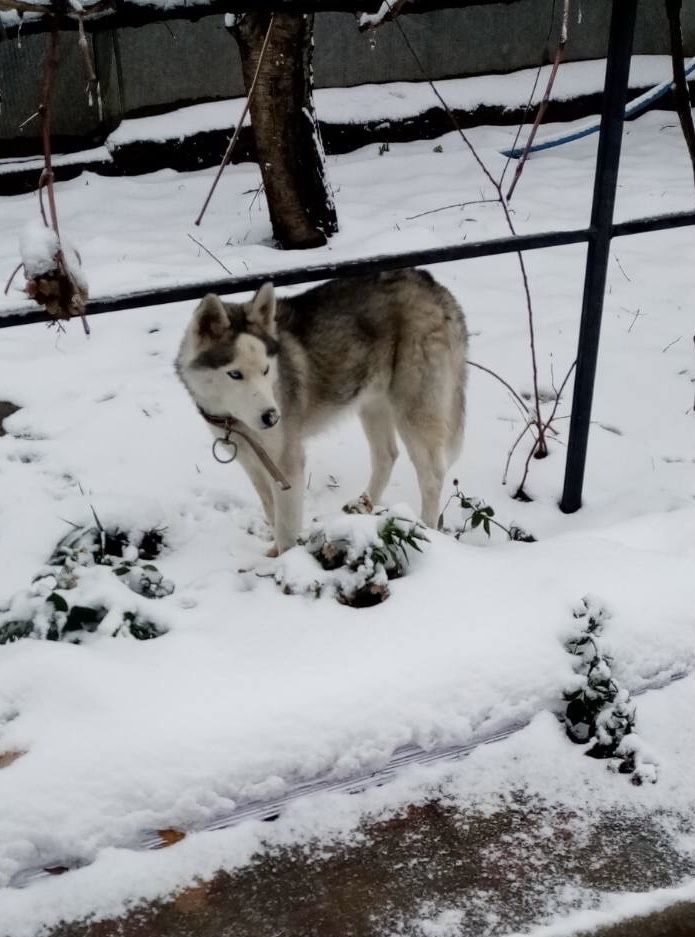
{"points": [[385, 12]]}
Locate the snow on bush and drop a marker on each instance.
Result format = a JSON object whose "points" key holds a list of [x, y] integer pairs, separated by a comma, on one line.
{"points": [[38, 246], [53, 271], [352, 556], [95, 581], [599, 711]]}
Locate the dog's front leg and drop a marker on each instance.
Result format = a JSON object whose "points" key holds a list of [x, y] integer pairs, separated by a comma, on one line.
{"points": [[289, 505]]}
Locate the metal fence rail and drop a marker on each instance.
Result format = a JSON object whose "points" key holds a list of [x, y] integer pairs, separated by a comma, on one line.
{"points": [[227, 286], [598, 236]]}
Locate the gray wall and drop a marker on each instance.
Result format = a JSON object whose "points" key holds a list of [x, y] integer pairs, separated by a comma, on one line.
{"points": [[163, 64]]}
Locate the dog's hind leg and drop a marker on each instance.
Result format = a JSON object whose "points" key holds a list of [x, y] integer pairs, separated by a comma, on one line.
{"points": [[379, 427], [426, 442]]}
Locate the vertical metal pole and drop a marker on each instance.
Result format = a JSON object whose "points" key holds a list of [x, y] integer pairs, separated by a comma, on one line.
{"points": [[605, 182]]}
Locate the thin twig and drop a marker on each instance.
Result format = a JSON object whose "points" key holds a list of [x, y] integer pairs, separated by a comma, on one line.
{"points": [[520, 494], [232, 143], [256, 195], [546, 100], [433, 211], [617, 260], [519, 400], [12, 276], [637, 315], [210, 254], [513, 449], [524, 414], [558, 395], [42, 209], [28, 120], [45, 115], [541, 446], [671, 344]]}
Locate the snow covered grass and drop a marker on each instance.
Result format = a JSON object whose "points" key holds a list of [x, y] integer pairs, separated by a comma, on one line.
{"points": [[250, 690]]}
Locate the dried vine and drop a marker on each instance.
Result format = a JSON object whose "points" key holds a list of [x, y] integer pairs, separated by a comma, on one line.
{"points": [[50, 280]]}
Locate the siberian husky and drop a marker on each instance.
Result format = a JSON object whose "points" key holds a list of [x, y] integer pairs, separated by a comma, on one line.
{"points": [[392, 347]]}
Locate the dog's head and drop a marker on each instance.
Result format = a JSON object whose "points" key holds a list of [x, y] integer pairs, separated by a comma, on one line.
{"points": [[229, 358]]}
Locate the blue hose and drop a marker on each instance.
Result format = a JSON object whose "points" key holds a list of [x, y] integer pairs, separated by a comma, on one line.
{"points": [[633, 109]]}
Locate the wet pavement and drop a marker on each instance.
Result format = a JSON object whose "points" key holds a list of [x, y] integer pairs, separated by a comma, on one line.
{"points": [[437, 870]]}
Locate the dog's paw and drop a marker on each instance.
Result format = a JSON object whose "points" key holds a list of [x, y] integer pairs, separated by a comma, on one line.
{"points": [[361, 505], [272, 552]]}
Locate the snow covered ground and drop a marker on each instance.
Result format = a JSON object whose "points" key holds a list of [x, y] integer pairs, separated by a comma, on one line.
{"points": [[252, 691], [398, 100]]}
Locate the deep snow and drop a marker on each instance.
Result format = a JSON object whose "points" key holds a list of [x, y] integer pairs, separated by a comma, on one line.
{"points": [[252, 690]]}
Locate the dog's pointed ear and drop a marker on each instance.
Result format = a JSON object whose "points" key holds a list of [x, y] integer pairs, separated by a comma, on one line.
{"points": [[210, 317], [262, 308]]}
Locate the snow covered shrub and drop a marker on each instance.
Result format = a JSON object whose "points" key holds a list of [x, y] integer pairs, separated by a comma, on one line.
{"points": [[53, 272], [478, 514], [353, 556], [81, 589], [600, 712]]}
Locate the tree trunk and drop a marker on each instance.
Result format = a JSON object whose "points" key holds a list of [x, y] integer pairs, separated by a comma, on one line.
{"points": [[285, 129]]}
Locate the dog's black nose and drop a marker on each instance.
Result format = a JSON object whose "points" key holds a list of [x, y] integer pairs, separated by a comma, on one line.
{"points": [[270, 417]]}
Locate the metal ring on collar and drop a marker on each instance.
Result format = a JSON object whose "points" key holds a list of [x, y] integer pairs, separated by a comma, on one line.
{"points": [[226, 441]]}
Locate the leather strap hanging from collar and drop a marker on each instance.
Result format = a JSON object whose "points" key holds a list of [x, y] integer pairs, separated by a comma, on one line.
{"points": [[231, 425]]}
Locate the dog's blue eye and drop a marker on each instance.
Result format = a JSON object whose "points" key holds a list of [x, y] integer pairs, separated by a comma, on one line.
{"points": [[236, 375]]}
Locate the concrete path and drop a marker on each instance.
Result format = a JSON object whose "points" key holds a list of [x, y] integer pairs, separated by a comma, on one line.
{"points": [[437, 871]]}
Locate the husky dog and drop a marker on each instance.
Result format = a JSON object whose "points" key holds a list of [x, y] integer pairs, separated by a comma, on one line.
{"points": [[392, 347]]}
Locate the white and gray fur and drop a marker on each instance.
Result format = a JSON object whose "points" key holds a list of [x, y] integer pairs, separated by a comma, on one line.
{"points": [[392, 347]]}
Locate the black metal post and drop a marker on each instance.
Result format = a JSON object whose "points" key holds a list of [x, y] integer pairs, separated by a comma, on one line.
{"points": [[605, 183]]}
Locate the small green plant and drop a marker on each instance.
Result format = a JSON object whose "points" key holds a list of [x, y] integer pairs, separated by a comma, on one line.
{"points": [[398, 534], [438, 148], [480, 515], [596, 689], [599, 713], [57, 605], [357, 555], [384, 148]]}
